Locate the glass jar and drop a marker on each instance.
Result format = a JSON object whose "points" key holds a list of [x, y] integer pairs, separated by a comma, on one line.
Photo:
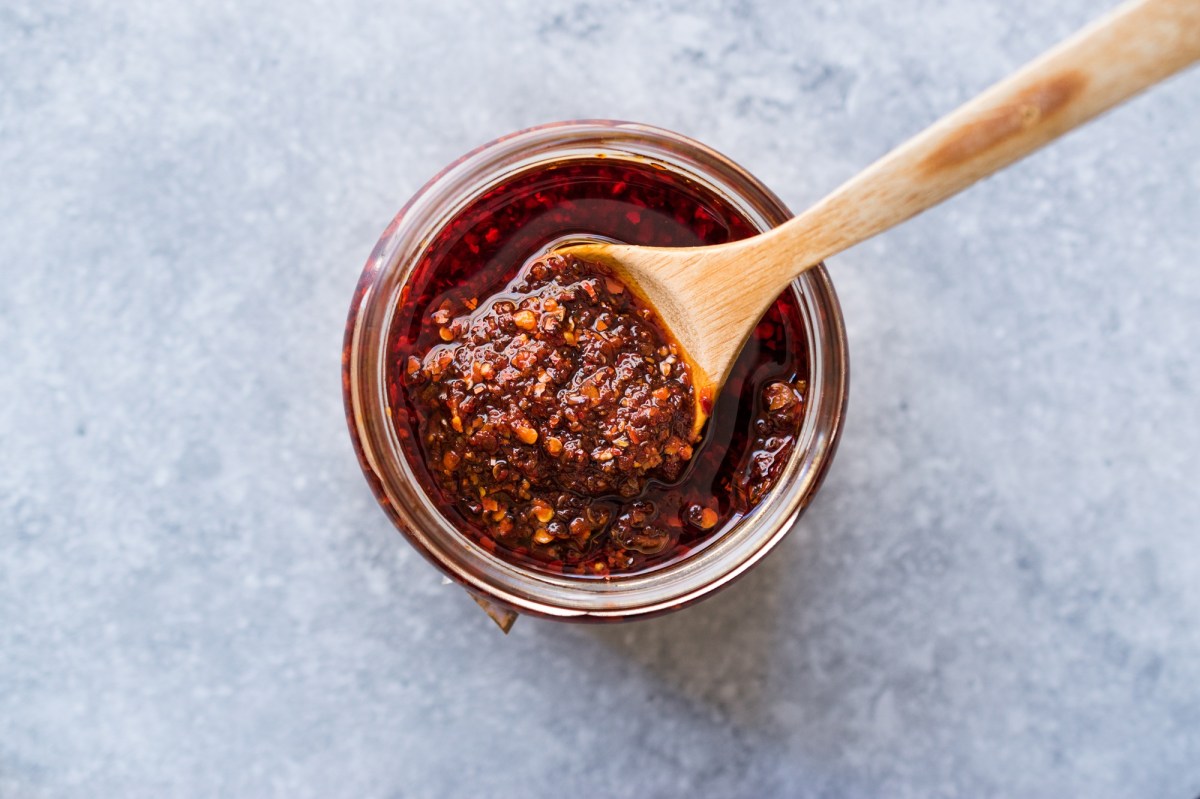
{"points": [[506, 589]]}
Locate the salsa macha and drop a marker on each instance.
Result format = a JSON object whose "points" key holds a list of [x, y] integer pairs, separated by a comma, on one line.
{"points": [[545, 408]]}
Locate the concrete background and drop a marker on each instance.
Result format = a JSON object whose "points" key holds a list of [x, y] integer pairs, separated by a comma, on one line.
{"points": [[997, 592]]}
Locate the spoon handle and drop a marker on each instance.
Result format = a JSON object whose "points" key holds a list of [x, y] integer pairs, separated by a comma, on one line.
{"points": [[1137, 45]]}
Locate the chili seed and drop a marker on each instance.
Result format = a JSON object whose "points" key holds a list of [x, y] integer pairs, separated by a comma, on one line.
{"points": [[525, 320], [543, 512]]}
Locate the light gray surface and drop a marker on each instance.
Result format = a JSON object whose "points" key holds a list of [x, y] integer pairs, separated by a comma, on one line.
{"points": [[997, 592]]}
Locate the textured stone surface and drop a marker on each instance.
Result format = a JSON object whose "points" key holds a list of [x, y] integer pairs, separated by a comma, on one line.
{"points": [[997, 592]]}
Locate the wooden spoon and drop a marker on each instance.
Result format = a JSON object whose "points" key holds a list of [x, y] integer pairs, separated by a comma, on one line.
{"points": [[711, 298]]}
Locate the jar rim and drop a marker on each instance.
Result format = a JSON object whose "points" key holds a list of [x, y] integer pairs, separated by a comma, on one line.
{"points": [[414, 513]]}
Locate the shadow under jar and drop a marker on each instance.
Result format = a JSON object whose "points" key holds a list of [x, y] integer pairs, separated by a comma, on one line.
{"points": [[459, 243]]}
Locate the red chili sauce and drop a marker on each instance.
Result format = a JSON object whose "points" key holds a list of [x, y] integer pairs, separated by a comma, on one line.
{"points": [[546, 411]]}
